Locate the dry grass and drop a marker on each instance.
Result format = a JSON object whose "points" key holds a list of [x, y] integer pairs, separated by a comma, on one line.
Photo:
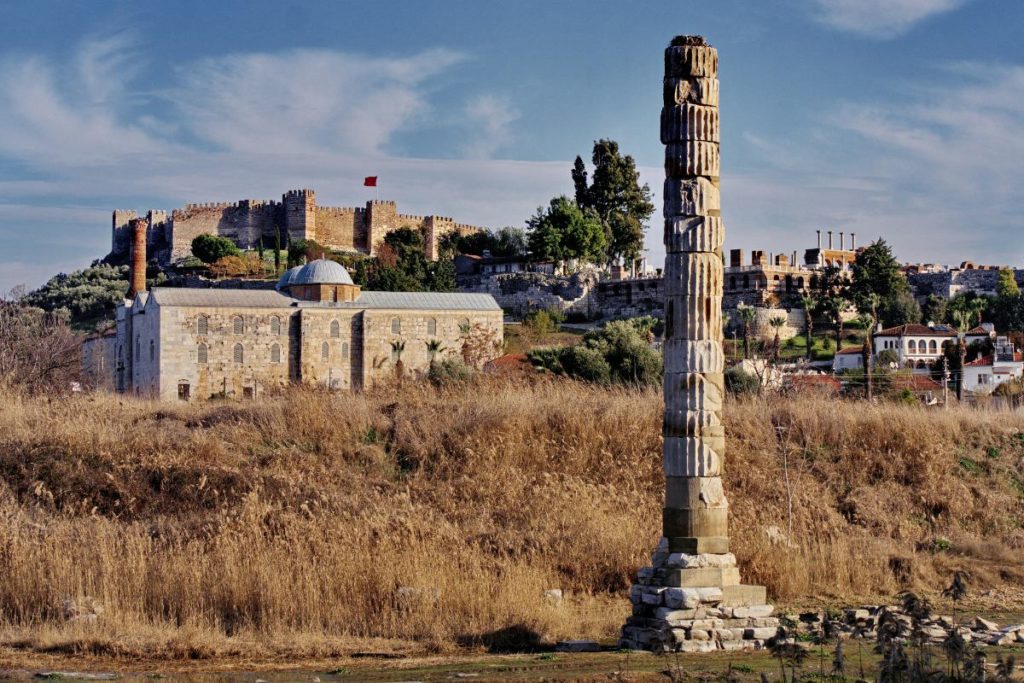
{"points": [[285, 527]]}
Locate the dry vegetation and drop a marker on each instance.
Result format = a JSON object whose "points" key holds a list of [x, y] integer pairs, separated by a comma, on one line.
{"points": [[285, 527]]}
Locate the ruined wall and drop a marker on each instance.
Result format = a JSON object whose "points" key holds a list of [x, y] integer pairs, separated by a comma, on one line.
{"points": [[631, 298], [522, 292], [948, 284], [244, 222]]}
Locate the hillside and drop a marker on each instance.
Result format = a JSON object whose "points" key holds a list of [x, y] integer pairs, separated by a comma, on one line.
{"points": [[289, 526]]}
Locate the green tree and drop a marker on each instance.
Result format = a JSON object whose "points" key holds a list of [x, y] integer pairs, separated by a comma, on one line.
{"points": [[401, 265], [934, 309], [563, 231], [1006, 284], [622, 204], [809, 304], [901, 308], [876, 272], [1006, 309], [85, 296], [212, 248], [777, 322]]}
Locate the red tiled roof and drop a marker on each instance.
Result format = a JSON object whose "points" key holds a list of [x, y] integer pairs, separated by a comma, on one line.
{"points": [[853, 349], [979, 362], [915, 383], [915, 329], [977, 330]]}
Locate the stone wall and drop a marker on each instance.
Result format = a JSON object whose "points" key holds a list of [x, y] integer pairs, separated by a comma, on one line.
{"points": [[520, 293], [948, 284]]}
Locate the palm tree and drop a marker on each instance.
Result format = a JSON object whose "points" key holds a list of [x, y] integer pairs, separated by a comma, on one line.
{"points": [[434, 347], [809, 303], [397, 347], [776, 322], [747, 316], [963, 318], [869, 308]]}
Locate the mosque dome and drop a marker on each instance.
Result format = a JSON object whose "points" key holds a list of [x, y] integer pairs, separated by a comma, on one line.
{"points": [[321, 272], [288, 278]]}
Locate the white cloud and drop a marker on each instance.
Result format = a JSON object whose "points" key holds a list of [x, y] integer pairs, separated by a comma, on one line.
{"points": [[880, 18], [493, 115]]}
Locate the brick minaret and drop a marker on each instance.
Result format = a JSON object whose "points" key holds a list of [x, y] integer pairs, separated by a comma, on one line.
{"points": [[691, 598], [138, 266]]}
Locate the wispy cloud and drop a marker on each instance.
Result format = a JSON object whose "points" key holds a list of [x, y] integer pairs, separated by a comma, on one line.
{"points": [[248, 125], [493, 117], [880, 19]]}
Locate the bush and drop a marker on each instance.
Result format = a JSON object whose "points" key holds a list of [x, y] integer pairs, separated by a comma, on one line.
{"points": [[212, 248], [449, 372], [86, 295], [586, 364], [543, 321], [626, 357], [740, 383]]}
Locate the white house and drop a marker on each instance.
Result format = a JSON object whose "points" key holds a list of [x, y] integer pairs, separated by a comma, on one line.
{"points": [[983, 375], [848, 359], [918, 346]]}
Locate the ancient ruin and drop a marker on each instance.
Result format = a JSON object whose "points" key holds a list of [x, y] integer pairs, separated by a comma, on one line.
{"points": [[690, 599]]}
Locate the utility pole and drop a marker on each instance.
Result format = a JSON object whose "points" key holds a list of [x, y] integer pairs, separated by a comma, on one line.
{"points": [[945, 382]]}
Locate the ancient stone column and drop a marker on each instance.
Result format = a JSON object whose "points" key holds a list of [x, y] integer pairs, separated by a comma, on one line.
{"points": [[691, 598]]}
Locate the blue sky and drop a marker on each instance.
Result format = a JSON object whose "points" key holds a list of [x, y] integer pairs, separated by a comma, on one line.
{"points": [[895, 118]]}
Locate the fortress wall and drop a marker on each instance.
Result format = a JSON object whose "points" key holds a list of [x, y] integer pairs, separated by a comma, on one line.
{"points": [[339, 227], [242, 222]]}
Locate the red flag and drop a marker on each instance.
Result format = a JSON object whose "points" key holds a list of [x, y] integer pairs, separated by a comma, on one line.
{"points": [[370, 181]]}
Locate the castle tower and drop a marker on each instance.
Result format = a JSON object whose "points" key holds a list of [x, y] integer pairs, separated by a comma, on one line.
{"points": [[381, 218], [120, 233], [299, 214], [690, 599], [138, 267]]}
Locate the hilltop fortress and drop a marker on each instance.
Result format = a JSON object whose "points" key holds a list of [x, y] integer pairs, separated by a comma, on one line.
{"points": [[296, 216]]}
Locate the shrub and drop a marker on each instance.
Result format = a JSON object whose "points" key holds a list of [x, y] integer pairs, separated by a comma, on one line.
{"points": [[741, 383], [212, 248], [547, 358], [586, 363], [449, 372], [543, 321], [85, 295]]}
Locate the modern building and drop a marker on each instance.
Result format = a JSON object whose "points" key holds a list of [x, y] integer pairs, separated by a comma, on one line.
{"points": [[983, 375], [918, 346]]}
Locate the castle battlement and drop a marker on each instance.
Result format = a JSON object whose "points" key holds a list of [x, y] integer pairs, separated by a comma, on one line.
{"points": [[382, 202], [300, 194]]}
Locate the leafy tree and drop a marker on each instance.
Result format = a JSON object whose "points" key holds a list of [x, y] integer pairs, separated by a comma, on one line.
{"points": [[85, 296], [901, 308], [810, 304], [508, 241], [585, 363], [563, 231], [618, 352], [777, 322], [1006, 284], [302, 251], [934, 309], [741, 383], [876, 272], [212, 248], [615, 193]]}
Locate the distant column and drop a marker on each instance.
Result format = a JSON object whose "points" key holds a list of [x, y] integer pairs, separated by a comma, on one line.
{"points": [[692, 565], [138, 266]]}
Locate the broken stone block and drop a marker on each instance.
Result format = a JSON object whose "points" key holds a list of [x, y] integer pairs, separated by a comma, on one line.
{"points": [[681, 598], [759, 633], [985, 624], [652, 595], [754, 611], [1002, 638], [699, 634], [697, 646], [685, 561]]}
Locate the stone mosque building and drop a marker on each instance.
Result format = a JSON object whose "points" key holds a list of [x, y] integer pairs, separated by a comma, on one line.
{"points": [[315, 327]]}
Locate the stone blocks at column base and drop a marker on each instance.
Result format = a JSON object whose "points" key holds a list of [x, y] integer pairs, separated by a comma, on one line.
{"points": [[704, 576], [698, 545]]}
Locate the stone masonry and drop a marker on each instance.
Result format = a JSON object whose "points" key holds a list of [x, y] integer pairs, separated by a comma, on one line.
{"points": [[690, 599]]}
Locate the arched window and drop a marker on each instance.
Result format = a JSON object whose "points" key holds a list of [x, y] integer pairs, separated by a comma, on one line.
{"points": [[332, 294], [913, 346], [432, 326], [275, 353], [239, 324], [344, 350], [275, 325], [746, 282], [335, 329], [921, 364], [732, 282], [203, 325], [239, 354], [152, 350], [800, 282], [325, 351], [396, 326], [202, 354], [933, 346], [464, 326]]}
